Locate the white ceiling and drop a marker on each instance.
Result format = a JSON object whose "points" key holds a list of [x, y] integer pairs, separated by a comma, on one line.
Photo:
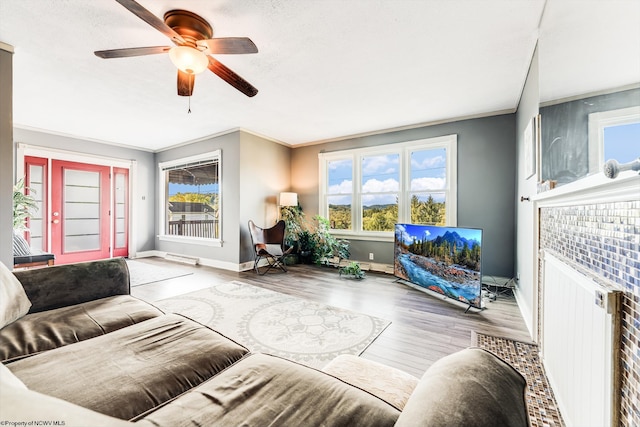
{"points": [[326, 69]]}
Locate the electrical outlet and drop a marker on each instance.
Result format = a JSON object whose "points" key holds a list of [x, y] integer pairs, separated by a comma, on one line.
{"points": [[370, 256]]}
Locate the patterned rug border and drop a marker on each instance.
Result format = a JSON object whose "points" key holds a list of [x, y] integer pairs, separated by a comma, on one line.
{"points": [[541, 404], [300, 329]]}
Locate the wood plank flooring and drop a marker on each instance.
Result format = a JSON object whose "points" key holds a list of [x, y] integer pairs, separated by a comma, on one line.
{"points": [[423, 328]]}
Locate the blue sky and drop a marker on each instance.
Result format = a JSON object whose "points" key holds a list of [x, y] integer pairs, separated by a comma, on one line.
{"points": [[622, 142], [381, 174]]}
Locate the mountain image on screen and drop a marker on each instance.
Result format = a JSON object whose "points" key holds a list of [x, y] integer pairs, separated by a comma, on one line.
{"points": [[446, 260]]}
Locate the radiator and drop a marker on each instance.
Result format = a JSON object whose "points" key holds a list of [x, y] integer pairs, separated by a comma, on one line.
{"points": [[580, 343]]}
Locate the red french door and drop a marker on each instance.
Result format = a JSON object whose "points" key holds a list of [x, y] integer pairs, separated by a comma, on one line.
{"points": [[80, 211], [120, 212]]}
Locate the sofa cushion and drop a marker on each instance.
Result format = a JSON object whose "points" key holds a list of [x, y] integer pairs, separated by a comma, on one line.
{"points": [[132, 370], [472, 388], [14, 302], [51, 329], [263, 390], [21, 406]]}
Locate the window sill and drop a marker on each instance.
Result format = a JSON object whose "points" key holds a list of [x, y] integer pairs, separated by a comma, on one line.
{"points": [[191, 240]]}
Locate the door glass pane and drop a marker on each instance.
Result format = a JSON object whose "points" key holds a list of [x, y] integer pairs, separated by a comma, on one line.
{"points": [[120, 195], [81, 210], [36, 190]]}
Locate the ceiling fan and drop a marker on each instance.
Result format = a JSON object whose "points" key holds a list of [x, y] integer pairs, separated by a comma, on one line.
{"points": [[194, 42]]}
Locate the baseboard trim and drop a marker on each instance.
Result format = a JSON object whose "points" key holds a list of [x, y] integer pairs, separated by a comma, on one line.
{"points": [[246, 266]]}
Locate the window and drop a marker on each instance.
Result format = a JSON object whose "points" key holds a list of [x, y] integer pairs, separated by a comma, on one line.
{"points": [[190, 199], [366, 191], [613, 134]]}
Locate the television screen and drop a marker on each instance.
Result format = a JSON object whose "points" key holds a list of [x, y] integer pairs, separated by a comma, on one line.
{"points": [[445, 260]]}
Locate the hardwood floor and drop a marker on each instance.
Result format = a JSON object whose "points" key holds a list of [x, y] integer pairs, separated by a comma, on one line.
{"points": [[423, 328]]}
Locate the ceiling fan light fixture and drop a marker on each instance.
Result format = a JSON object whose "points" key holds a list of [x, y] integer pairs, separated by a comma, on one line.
{"points": [[188, 59]]}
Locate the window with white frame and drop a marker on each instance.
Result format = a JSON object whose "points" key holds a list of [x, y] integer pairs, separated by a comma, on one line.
{"points": [[190, 202], [613, 134], [366, 191]]}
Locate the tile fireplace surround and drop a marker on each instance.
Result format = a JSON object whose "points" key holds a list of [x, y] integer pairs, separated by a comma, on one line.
{"points": [[594, 224]]}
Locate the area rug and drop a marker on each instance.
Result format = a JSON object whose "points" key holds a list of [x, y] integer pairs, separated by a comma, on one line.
{"points": [[271, 322], [141, 273], [541, 404]]}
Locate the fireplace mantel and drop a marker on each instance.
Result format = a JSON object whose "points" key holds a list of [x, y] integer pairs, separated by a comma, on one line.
{"points": [[594, 188]]}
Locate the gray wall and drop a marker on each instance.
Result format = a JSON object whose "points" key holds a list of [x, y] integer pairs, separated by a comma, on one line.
{"points": [[229, 145], [143, 182], [486, 185], [254, 171], [265, 171], [565, 133], [6, 155]]}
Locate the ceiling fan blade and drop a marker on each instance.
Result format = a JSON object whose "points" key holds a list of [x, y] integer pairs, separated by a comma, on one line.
{"points": [[148, 17], [229, 45], [131, 51], [185, 83], [231, 77]]}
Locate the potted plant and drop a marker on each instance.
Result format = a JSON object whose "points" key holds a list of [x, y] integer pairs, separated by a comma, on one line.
{"points": [[295, 222], [23, 206], [306, 246], [327, 245], [352, 270]]}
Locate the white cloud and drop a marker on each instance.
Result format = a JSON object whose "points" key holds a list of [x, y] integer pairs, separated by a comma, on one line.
{"points": [[425, 183], [377, 186], [377, 164], [429, 162], [341, 188]]}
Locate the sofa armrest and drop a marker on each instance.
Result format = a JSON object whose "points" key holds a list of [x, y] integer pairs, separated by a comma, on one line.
{"points": [[65, 285], [472, 387]]}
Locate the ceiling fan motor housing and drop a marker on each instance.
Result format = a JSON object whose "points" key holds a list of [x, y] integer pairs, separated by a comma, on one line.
{"points": [[190, 26]]}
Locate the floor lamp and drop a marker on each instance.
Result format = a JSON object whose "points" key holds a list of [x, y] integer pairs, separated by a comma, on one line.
{"points": [[287, 199]]}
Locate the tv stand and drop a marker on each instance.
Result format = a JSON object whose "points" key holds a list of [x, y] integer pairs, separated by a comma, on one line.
{"points": [[468, 307]]}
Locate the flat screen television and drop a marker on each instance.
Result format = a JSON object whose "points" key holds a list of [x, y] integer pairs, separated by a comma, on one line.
{"points": [[445, 260]]}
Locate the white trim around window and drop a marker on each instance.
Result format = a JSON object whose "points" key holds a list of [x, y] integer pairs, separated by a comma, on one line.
{"points": [[402, 152], [597, 123], [162, 198]]}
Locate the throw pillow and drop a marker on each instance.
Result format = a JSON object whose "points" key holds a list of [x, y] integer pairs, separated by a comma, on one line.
{"points": [[20, 246], [14, 302]]}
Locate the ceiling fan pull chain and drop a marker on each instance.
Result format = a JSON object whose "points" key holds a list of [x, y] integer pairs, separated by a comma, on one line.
{"points": [[189, 111]]}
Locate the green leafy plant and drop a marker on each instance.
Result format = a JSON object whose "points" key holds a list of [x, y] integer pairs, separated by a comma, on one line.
{"points": [[23, 205], [352, 270], [327, 245], [295, 221], [306, 246]]}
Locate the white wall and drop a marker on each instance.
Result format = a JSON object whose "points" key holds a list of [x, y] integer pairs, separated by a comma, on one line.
{"points": [[526, 289]]}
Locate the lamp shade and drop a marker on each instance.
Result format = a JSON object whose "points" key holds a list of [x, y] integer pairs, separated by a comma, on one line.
{"points": [[188, 59], [288, 199]]}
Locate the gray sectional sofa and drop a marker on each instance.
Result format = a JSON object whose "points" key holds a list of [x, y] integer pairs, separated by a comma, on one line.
{"points": [[89, 354]]}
